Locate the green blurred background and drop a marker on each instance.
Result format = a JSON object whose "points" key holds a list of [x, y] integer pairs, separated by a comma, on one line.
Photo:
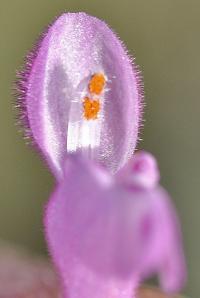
{"points": [[164, 37]]}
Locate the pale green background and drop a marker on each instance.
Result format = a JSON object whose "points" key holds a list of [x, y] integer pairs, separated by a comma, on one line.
{"points": [[164, 36]]}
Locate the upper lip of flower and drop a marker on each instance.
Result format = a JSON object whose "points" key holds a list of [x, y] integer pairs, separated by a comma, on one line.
{"points": [[80, 57]]}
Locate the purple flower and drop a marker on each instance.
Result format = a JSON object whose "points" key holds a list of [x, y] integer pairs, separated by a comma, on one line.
{"points": [[106, 234], [108, 224], [81, 93]]}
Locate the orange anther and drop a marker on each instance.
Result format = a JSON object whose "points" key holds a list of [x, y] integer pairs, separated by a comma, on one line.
{"points": [[91, 108], [97, 83]]}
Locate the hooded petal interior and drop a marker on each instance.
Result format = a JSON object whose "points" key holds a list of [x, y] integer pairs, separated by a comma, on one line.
{"points": [[75, 48]]}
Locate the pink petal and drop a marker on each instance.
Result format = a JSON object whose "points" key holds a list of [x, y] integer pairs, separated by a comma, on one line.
{"points": [[103, 235], [172, 271], [141, 171], [75, 47], [163, 253]]}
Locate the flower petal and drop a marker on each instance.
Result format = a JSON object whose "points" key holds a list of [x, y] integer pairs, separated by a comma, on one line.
{"points": [[82, 93], [162, 252], [172, 270], [102, 233], [141, 171]]}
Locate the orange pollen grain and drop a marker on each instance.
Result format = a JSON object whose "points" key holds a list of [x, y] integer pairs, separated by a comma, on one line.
{"points": [[97, 83], [91, 108]]}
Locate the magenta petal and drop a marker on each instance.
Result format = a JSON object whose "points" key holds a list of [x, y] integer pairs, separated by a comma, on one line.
{"points": [[75, 47], [141, 171], [172, 269], [82, 233], [103, 235], [163, 252]]}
